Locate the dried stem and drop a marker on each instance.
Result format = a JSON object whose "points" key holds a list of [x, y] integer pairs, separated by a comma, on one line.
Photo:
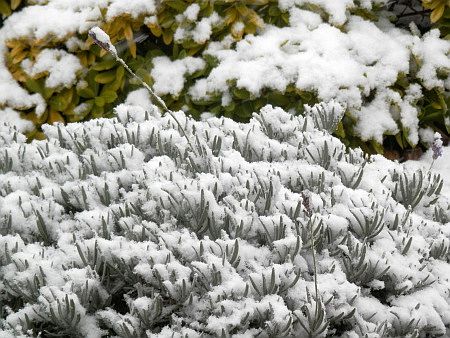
{"points": [[106, 45]]}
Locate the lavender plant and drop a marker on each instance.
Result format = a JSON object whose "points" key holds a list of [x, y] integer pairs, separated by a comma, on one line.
{"points": [[115, 227]]}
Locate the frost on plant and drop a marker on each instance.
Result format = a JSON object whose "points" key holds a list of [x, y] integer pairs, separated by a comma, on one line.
{"points": [[135, 227]]}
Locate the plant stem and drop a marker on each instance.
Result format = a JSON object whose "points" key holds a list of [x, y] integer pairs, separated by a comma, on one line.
{"points": [[431, 165]]}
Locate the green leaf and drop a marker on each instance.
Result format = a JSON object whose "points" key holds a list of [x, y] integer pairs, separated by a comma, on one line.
{"points": [[61, 101], [182, 54], [241, 93], [306, 96], [377, 146], [431, 114], [99, 101], [399, 139], [114, 86], [216, 109], [109, 96], [48, 92], [274, 11], [204, 101], [86, 92], [4, 8], [198, 73], [340, 130], [278, 99], [106, 77], [120, 72], [104, 65], [34, 86], [230, 108], [145, 75], [178, 5], [211, 60], [175, 50], [90, 78]]}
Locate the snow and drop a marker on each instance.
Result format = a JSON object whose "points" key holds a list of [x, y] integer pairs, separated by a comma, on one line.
{"points": [[135, 8], [201, 30], [192, 11], [336, 9], [169, 77], [12, 117], [434, 53], [61, 67]]}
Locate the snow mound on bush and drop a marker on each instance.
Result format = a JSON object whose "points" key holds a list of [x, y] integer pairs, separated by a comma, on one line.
{"points": [[377, 71]]}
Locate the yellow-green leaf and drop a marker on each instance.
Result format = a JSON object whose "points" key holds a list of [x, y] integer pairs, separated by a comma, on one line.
{"points": [[54, 117], [120, 72], [340, 130], [104, 65], [15, 4], [106, 77], [99, 101], [178, 5], [4, 8], [47, 92], [377, 146], [61, 101], [34, 86], [241, 93], [109, 96], [436, 14], [86, 92], [167, 37], [436, 105], [274, 11]]}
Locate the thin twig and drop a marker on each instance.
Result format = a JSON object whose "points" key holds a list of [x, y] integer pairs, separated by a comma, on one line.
{"points": [[104, 42]]}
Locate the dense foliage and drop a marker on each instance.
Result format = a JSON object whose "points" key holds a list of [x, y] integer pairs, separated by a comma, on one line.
{"points": [[136, 227], [187, 51]]}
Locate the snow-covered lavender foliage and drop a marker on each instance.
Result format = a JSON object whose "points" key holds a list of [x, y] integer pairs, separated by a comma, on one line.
{"points": [[118, 227]]}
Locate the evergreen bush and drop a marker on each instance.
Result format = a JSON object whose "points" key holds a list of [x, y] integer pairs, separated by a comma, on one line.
{"points": [[207, 56], [134, 226]]}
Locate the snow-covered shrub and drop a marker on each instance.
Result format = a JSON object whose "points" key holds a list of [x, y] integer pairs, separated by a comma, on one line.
{"points": [[228, 58], [121, 227]]}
